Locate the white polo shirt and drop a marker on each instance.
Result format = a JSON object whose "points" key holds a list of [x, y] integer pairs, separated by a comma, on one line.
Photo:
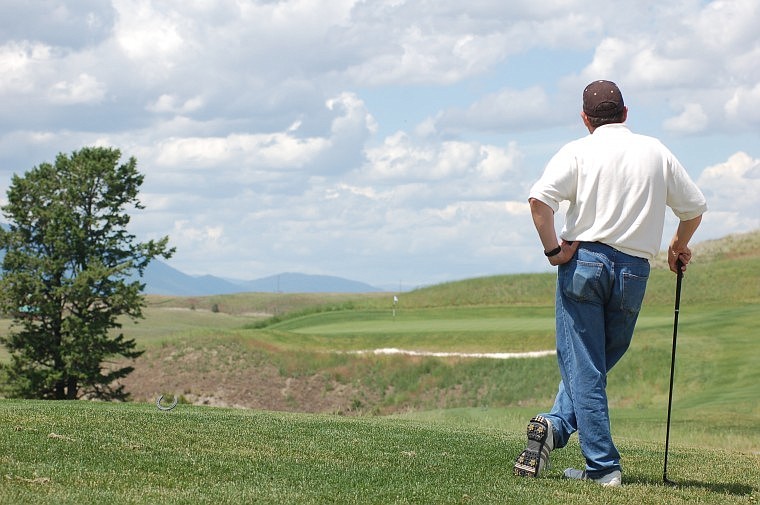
{"points": [[618, 184]]}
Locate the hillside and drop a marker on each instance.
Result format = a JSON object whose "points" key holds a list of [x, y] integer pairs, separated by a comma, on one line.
{"points": [[162, 279], [739, 245], [322, 417], [308, 352], [710, 258], [309, 357]]}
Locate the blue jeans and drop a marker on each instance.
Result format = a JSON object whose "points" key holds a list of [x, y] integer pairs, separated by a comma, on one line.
{"points": [[599, 295]]}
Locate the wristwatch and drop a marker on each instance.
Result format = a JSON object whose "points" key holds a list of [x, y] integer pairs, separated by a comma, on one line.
{"points": [[553, 252]]}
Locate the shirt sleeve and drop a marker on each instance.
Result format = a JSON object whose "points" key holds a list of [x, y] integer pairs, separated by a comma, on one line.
{"points": [[559, 180], [684, 197]]}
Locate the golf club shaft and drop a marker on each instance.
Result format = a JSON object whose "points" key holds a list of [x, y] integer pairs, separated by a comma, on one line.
{"points": [[679, 277]]}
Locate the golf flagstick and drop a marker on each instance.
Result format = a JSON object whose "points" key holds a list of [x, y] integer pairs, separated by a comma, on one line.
{"points": [[679, 277]]}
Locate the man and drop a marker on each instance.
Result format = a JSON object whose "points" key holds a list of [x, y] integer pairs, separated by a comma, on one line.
{"points": [[618, 185]]}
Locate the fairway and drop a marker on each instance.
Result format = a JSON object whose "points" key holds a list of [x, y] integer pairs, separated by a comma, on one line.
{"points": [[502, 321], [429, 325], [91, 453], [83, 453]]}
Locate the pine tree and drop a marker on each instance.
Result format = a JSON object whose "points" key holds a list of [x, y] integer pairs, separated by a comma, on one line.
{"points": [[68, 275]]}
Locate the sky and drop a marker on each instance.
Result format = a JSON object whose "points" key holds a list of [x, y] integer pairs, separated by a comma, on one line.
{"points": [[391, 142]]}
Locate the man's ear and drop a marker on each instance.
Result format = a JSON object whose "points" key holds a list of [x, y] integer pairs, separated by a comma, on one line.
{"points": [[586, 122]]}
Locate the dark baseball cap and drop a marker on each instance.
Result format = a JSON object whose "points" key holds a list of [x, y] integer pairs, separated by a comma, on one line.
{"points": [[602, 99]]}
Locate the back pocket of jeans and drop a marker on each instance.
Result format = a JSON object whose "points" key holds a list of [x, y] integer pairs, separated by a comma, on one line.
{"points": [[634, 287], [581, 282]]}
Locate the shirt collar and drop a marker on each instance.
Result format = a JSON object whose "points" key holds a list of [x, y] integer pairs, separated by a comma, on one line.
{"points": [[611, 127]]}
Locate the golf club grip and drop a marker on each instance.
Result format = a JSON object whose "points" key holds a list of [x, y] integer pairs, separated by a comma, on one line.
{"points": [[679, 279]]}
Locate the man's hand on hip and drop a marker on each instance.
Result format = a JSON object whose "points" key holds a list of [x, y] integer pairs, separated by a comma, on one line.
{"points": [[566, 253]]}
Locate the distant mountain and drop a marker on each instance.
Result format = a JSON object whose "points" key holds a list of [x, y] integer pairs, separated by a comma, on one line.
{"points": [[161, 279], [303, 283]]}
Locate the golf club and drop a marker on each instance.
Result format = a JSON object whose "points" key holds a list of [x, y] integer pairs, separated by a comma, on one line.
{"points": [[679, 277]]}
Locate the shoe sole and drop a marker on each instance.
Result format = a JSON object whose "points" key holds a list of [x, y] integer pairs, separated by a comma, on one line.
{"points": [[527, 463]]}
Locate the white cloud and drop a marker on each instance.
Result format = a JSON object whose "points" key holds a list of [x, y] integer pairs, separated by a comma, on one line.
{"points": [[692, 120], [470, 166], [399, 158], [687, 53], [147, 34], [726, 24], [744, 105], [185, 234], [20, 61], [641, 62], [505, 110], [419, 56], [61, 24], [352, 120], [173, 104], [373, 140], [276, 150], [731, 190], [496, 164], [84, 89]]}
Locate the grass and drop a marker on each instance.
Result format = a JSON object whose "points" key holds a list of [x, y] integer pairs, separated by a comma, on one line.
{"points": [[422, 429], [88, 453], [466, 329]]}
